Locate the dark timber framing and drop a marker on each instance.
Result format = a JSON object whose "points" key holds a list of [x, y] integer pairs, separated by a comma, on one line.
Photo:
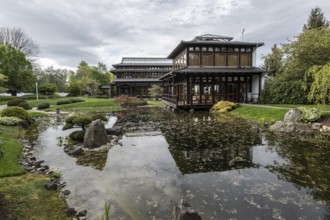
{"points": [[211, 68], [135, 75]]}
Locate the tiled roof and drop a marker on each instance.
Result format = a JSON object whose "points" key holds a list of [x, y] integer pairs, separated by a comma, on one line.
{"points": [[214, 69], [143, 64], [139, 71]]}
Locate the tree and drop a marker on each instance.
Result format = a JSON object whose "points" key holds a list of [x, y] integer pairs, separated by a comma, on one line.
{"points": [[320, 88], [18, 39], [155, 91], [273, 62], [316, 20], [16, 68]]}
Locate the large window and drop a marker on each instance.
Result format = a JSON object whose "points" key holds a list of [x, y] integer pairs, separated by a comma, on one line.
{"points": [[233, 60], [207, 59], [220, 59], [194, 59]]}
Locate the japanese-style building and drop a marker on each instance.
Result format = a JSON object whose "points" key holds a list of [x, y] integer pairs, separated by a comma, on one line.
{"points": [[136, 74], [211, 68]]}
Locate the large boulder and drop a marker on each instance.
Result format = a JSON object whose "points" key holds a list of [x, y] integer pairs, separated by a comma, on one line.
{"points": [[95, 135], [292, 116]]}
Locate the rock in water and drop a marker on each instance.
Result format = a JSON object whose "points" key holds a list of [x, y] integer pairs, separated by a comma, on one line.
{"points": [[183, 211], [95, 135]]}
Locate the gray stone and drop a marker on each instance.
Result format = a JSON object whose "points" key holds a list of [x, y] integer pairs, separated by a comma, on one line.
{"points": [[76, 151], [316, 126], [51, 186], [183, 211], [66, 192], [292, 116], [95, 135], [114, 131], [70, 212], [82, 213]]}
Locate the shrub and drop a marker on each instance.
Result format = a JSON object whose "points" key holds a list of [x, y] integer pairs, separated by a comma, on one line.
{"points": [[309, 114], [67, 126], [82, 120], [10, 121], [98, 116], [15, 111], [223, 107], [43, 105], [24, 105], [77, 135], [129, 100], [15, 102], [69, 101]]}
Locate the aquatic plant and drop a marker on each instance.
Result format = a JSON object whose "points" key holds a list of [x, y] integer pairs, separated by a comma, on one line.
{"points": [[106, 211]]}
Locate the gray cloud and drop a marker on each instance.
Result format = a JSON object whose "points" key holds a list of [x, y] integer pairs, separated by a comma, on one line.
{"points": [[105, 31]]}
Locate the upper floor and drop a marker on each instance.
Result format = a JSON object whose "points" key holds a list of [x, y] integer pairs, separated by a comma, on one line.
{"points": [[214, 50], [142, 67]]}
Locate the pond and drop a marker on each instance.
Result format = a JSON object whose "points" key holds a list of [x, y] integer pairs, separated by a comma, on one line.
{"points": [[224, 167]]}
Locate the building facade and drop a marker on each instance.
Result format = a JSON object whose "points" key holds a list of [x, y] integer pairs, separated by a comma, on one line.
{"points": [[211, 68], [135, 75]]}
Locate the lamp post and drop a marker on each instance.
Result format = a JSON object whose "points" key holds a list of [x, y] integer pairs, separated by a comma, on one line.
{"points": [[37, 91]]}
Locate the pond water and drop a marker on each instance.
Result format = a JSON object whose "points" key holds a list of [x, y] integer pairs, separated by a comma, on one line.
{"points": [[224, 167]]}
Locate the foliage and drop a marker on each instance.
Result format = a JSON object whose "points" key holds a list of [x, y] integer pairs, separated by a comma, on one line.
{"points": [[52, 76], [15, 111], [126, 100], [80, 120], [316, 19], [98, 116], [106, 211], [24, 105], [77, 135], [10, 121], [282, 92], [223, 107], [16, 68], [309, 114], [69, 101], [155, 91], [15, 102], [43, 105], [67, 126], [88, 78], [18, 39], [273, 62], [47, 89], [320, 88]]}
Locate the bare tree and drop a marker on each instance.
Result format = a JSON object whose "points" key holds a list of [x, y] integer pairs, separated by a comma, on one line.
{"points": [[18, 39]]}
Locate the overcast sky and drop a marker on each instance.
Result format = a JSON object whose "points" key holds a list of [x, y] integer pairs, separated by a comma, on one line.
{"points": [[69, 31]]}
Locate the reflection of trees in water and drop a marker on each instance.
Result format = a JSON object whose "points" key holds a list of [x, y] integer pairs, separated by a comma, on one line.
{"points": [[307, 165], [95, 159], [201, 143]]}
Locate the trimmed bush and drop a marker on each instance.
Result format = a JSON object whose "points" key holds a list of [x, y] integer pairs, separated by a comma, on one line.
{"points": [[130, 101], [15, 102], [15, 111], [67, 126], [10, 121], [309, 114], [77, 135], [43, 105], [82, 120], [223, 107], [24, 105], [69, 101], [98, 116]]}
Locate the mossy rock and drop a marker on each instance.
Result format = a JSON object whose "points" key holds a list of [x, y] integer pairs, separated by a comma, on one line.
{"points": [[77, 136]]}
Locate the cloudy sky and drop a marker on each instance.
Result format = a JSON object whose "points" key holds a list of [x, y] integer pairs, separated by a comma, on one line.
{"points": [[69, 31]]}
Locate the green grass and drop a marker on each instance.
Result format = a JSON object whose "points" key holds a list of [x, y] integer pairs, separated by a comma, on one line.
{"points": [[320, 107], [261, 114], [9, 162], [37, 114], [27, 198], [156, 103]]}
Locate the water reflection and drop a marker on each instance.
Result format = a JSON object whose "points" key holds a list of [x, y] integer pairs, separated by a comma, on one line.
{"points": [[224, 167]]}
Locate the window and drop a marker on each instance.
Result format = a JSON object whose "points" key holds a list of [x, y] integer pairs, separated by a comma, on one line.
{"points": [[233, 60], [245, 59], [204, 49], [197, 49], [223, 49], [220, 59], [210, 49], [191, 49], [217, 49], [194, 59], [207, 59]]}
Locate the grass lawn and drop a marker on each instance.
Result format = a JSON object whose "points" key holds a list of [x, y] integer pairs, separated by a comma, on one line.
{"points": [[9, 162], [25, 197], [156, 103], [320, 107], [261, 114]]}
